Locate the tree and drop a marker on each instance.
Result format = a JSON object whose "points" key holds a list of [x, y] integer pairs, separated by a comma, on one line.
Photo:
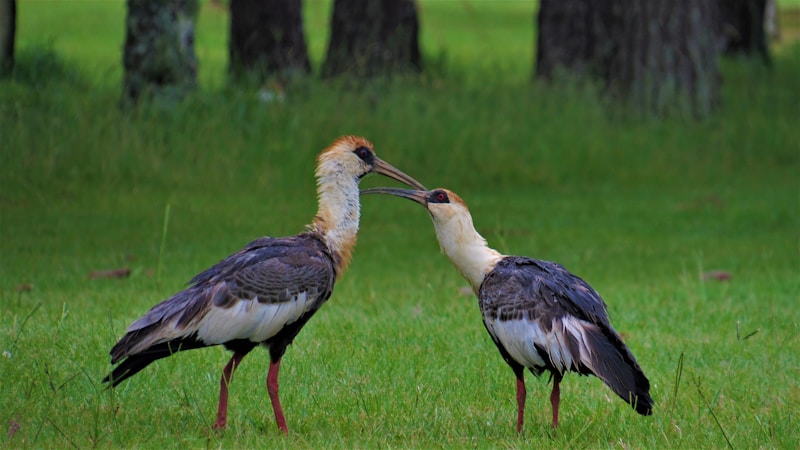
{"points": [[569, 37], [665, 55], [159, 58], [267, 39], [372, 37], [653, 55], [742, 28], [8, 31]]}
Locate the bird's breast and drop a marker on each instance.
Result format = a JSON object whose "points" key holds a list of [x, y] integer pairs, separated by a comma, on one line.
{"points": [[252, 320]]}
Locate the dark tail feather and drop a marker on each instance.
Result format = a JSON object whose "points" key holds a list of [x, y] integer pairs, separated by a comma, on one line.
{"points": [[132, 364], [613, 363]]}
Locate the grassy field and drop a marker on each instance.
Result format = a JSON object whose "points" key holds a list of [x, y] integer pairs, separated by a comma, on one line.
{"points": [[644, 210]]}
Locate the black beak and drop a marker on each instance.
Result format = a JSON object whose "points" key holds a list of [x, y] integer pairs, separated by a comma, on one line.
{"points": [[382, 167], [420, 197]]}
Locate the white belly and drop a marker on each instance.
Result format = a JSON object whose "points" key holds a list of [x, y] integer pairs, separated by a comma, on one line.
{"points": [[519, 338], [248, 319]]}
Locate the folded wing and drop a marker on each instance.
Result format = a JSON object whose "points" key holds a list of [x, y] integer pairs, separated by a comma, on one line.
{"points": [[546, 318], [246, 299]]}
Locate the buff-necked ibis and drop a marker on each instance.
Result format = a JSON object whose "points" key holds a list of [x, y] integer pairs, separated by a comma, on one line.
{"points": [[264, 293], [539, 315]]}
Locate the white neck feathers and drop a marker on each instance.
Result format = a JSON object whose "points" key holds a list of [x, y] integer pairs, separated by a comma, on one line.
{"points": [[339, 212], [465, 247]]}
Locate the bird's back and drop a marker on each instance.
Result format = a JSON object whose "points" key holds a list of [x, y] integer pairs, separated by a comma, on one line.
{"points": [[543, 317], [263, 293]]}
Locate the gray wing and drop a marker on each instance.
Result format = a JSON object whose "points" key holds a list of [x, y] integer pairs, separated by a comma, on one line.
{"points": [[250, 295], [527, 288]]}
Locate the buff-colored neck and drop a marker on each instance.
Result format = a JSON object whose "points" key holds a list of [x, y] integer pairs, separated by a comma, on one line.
{"points": [[338, 214], [466, 248]]}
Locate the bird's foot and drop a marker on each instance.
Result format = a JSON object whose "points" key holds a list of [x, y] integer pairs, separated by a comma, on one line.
{"points": [[283, 428], [219, 425]]}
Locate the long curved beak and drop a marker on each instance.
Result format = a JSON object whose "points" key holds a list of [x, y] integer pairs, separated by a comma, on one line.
{"points": [[417, 196], [382, 167]]}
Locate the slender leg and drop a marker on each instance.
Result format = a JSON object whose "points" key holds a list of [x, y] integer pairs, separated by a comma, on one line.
{"points": [[555, 398], [272, 389], [521, 393], [227, 376]]}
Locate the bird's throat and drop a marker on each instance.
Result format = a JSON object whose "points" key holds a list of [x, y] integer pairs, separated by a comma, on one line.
{"points": [[338, 216], [468, 251]]}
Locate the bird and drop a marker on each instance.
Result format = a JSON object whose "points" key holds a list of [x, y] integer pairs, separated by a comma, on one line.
{"points": [[538, 314], [266, 292]]}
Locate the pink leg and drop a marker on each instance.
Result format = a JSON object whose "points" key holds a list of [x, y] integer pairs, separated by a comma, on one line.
{"points": [[272, 389], [227, 376], [555, 398], [520, 402]]}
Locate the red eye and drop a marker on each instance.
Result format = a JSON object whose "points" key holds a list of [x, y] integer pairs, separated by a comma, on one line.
{"points": [[439, 196], [363, 153]]}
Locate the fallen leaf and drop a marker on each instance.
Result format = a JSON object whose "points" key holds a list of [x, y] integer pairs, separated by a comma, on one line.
{"points": [[124, 272], [13, 427], [719, 275], [24, 287]]}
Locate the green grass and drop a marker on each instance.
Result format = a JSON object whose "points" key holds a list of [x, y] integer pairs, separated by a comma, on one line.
{"points": [[398, 358]]}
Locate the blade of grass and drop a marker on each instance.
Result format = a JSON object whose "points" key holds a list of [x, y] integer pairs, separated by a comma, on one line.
{"points": [[748, 336], [64, 435], [22, 327], [163, 243], [678, 375], [713, 415]]}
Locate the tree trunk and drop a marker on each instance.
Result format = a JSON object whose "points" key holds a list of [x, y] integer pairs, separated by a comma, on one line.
{"points": [[742, 28], [159, 58], [656, 56], [372, 37], [8, 31], [572, 37], [267, 39], [666, 56], [771, 25]]}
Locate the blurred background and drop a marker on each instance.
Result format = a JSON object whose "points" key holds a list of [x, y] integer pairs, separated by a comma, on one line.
{"points": [[651, 147]]}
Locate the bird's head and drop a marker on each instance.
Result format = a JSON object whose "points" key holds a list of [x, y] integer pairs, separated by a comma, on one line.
{"points": [[354, 157], [340, 167], [445, 207], [457, 237]]}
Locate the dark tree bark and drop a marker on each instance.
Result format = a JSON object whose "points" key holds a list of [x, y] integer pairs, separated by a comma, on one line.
{"points": [[159, 58], [666, 56], [8, 31], [654, 55], [373, 37], [267, 39], [742, 28], [572, 37], [771, 21]]}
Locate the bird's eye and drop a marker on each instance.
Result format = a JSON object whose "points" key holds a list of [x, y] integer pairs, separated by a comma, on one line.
{"points": [[440, 197], [363, 152]]}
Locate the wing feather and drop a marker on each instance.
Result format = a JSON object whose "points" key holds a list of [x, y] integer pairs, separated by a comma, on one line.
{"points": [[251, 295], [546, 318]]}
